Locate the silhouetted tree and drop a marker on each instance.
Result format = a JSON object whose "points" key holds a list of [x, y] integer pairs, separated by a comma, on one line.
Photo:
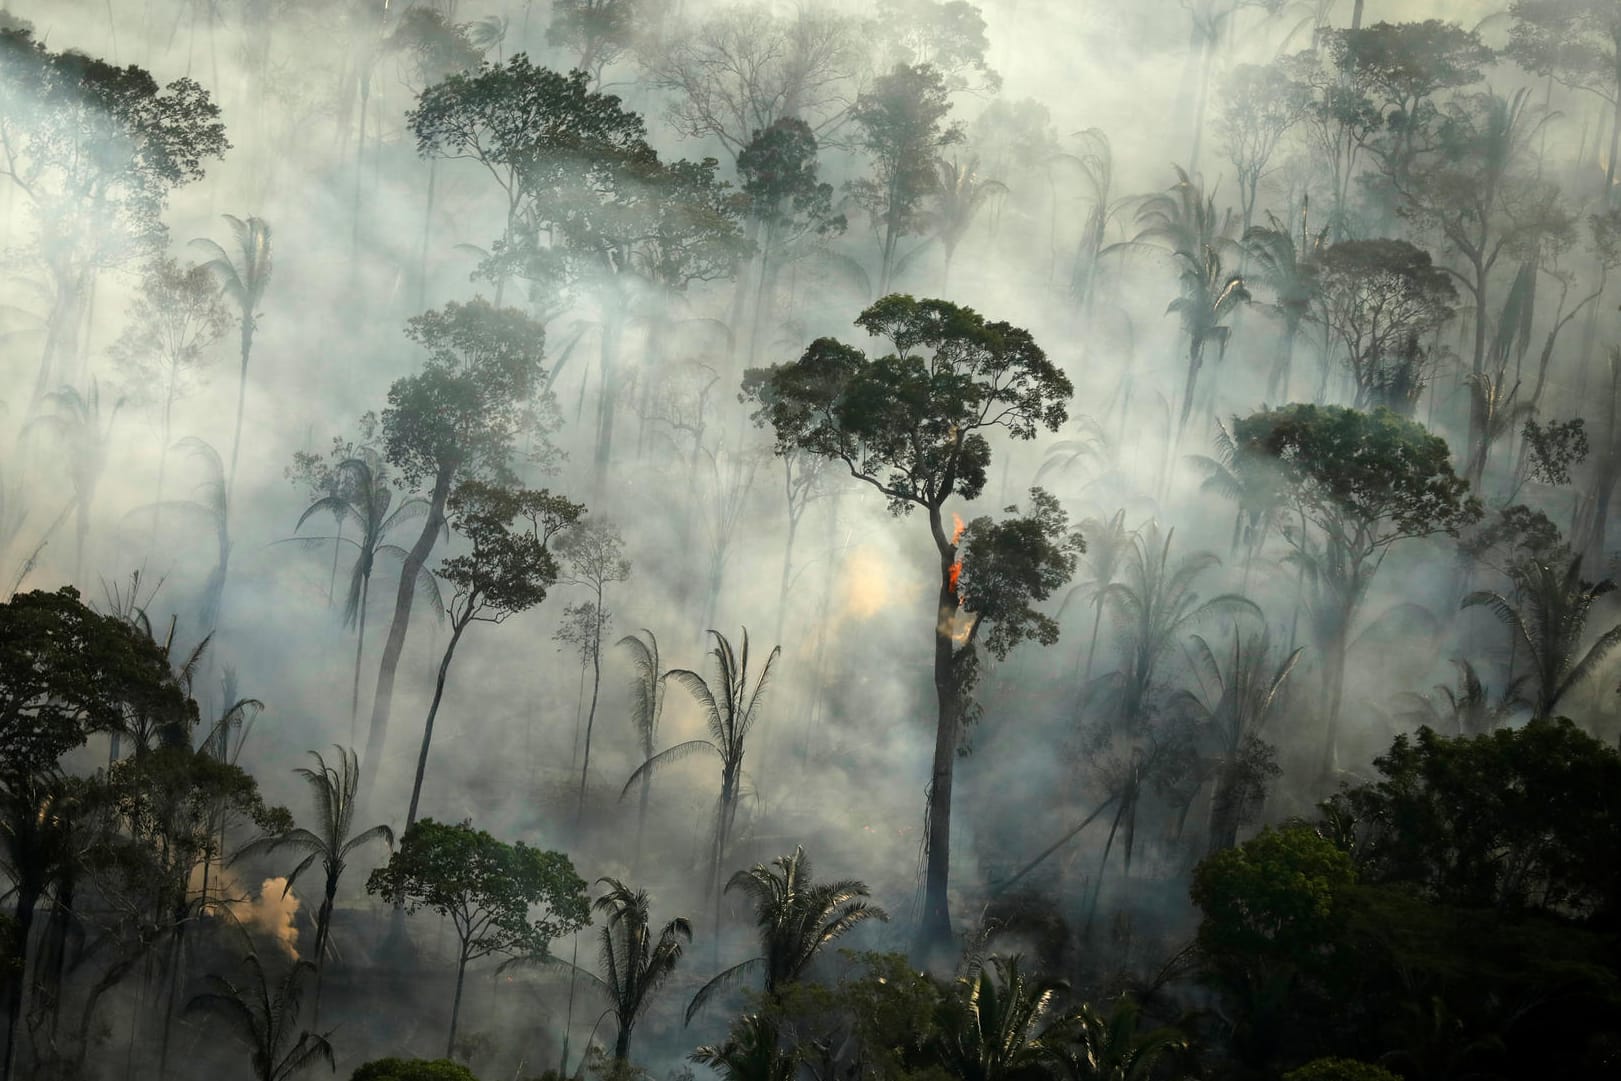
{"points": [[82, 428], [508, 570], [263, 1019], [487, 889], [244, 275], [593, 552], [913, 424]]}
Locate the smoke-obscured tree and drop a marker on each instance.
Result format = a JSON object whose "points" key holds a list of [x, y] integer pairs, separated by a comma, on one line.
{"points": [[901, 128], [646, 710], [1359, 484], [1379, 299], [1477, 190], [358, 491], [38, 822], [208, 513], [594, 555], [948, 35], [333, 789], [1258, 107], [96, 150], [731, 707], [1239, 699], [741, 69], [1397, 69], [913, 424], [1111, 1046], [752, 1051], [83, 430], [636, 958], [487, 889], [1286, 267], [1183, 220], [789, 205], [544, 138], [1469, 709], [1547, 615], [457, 419], [959, 195], [1000, 1023], [173, 324], [507, 570], [263, 1016], [1578, 43], [244, 275], [412, 1069], [1250, 485], [158, 815], [795, 917], [598, 31]]}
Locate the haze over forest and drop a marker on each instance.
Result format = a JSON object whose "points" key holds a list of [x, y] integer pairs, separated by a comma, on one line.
{"points": [[1127, 489]]}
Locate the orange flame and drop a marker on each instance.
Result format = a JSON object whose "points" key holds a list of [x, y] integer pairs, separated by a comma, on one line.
{"points": [[955, 572]]}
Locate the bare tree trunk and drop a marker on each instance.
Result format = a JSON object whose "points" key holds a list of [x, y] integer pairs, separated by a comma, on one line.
{"points": [[241, 402], [456, 1003], [456, 630], [935, 930], [394, 645], [360, 650], [591, 715]]}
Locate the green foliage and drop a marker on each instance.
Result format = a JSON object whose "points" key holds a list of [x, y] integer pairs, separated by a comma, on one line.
{"points": [[995, 1026], [412, 1069], [1514, 820], [66, 671], [1339, 1069], [1553, 448], [912, 423], [1278, 898], [476, 393], [1369, 478], [1010, 565], [262, 1014], [1575, 41], [485, 887], [777, 175], [510, 567]]}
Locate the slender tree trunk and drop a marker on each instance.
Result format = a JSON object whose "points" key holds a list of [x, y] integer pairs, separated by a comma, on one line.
{"points": [[1356, 15], [16, 982], [591, 714], [360, 650], [394, 645], [622, 1042], [427, 223], [457, 628], [241, 402], [456, 1003], [612, 329], [935, 930], [1333, 695]]}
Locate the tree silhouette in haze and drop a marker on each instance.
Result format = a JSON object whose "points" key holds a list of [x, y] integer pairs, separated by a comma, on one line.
{"points": [[913, 424], [458, 418], [795, 917], [244, 275], [262, 1015], [731, 708], [332, 788], [507, 571]]}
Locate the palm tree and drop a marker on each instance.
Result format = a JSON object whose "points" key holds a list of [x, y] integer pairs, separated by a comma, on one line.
{"points": [[84, 431], [750, 1053], [1183, 220], [1251, 483], [263, 1019], [998, 1026], [796, 916], [1243, 699], [646, 709], [1107, 543], [959, 194], [1096, 161], [333, 788], [1099, 1047], [243, 279], [210, 510], [360, 493], [1285, 268], [1550, 620], [730, 710], [1469, 708], [635, 963]]}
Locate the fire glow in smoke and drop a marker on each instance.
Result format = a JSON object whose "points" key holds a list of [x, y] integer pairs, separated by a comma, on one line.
{"points": [[957, 528]]}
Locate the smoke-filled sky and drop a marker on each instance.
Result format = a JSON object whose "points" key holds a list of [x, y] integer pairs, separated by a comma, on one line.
{"points": [[840, 759]]}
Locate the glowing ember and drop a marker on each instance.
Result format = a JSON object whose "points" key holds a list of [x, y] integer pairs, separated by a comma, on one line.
{"points": [[955, 573]]}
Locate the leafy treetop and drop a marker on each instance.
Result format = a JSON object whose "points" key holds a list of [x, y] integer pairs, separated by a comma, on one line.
{"points": [[912, 422]]}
